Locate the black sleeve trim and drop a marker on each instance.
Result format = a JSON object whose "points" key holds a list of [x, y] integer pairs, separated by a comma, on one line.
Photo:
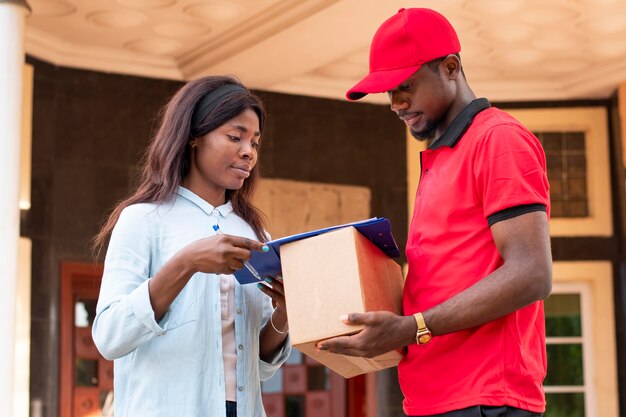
{"points": [[511, 212]]}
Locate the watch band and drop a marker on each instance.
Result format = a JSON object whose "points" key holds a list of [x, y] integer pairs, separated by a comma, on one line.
{"points": [[423, 334], [419, 319]]}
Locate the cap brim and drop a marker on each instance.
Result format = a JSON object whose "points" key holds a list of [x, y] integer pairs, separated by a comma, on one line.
{"points": [[380, 82]]}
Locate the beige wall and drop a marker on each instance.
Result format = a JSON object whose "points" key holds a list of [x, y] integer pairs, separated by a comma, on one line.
{"points": [[413, 148], [621, 94], [27, 123], [293, 206]]}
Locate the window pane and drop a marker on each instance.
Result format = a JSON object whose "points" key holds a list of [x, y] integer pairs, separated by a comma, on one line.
{"points": [[578, 208], [576, 165], [575, 140], [294, 406], [84, 312], [556, 208], [565, 364], [556, 187], [577, 187], [274, 384], [86, 373], [550, 140], [565, 405], [317, 378], [563, 315], [295, 358], [554, 162]]}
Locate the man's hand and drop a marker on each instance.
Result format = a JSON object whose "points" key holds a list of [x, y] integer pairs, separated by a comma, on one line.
{"points": [[383, 332]]}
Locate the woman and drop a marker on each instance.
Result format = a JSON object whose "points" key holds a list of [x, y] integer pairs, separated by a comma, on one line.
{"points": [[187, 339]]}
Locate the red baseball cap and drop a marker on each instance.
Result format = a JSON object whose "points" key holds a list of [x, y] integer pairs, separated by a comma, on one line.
{"points": [[401, 45]]}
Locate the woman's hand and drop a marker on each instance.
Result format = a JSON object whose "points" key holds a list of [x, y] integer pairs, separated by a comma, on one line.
{"points": [[221, 254], [276, 291], [274, 333]]}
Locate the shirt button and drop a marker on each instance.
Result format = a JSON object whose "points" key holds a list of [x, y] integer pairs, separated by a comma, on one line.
{"points": [[240, 388], [240, 347], [239, 311]]}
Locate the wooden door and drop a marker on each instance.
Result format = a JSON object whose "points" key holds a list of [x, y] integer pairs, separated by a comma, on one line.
{"points": [[86, 378]]}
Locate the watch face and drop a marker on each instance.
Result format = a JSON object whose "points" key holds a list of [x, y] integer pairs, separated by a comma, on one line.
{"points": [[424, 338]]}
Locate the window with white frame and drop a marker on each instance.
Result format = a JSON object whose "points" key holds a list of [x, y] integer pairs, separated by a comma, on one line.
{"points": [[568, 384]]}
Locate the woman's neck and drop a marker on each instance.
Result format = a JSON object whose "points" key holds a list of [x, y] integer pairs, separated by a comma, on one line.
{"points": [[212, 195]]}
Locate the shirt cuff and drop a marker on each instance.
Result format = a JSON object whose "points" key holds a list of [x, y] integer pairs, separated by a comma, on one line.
{"points": [[267, 369], [139, 301]]}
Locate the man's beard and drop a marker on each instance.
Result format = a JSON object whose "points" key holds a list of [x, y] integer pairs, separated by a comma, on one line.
{"points": [[428, 133]]}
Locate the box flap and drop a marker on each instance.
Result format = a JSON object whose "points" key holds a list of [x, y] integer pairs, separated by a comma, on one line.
{"points": [[350, 366]]}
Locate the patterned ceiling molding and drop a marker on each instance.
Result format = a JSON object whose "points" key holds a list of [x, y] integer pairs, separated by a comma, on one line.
{"points": [[513, 50], [57, 51], [259, 27]]}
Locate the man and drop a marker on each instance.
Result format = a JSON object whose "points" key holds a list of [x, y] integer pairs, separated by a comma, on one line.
{"points": [[478, 246]]}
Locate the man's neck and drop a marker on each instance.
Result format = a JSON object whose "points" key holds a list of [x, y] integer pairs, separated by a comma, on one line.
{"points": [[464, 97]]}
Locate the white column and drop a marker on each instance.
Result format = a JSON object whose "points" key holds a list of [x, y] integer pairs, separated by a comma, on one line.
{"points": [[12, 25]]}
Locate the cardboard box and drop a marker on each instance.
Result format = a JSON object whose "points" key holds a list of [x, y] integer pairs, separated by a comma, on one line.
{"points": [[336, 273]]}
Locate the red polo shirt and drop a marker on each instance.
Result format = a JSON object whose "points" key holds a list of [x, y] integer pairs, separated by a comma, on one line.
{"points": [[487, 167]]}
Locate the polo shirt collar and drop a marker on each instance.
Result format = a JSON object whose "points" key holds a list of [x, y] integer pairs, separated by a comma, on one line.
{"points": [[222, 210], [461, 122]]}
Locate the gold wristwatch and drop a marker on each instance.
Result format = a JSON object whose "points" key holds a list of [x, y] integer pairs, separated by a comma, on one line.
{"points": [[423, 335]]}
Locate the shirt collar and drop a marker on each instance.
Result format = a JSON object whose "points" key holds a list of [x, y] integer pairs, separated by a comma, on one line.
{"points": [[461, 122], [222, 210]]}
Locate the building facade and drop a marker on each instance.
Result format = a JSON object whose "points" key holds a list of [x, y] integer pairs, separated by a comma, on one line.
{"points": [[87, 133]]}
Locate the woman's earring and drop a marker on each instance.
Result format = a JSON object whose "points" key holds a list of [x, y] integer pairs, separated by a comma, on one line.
{"points": [[194, 144]]}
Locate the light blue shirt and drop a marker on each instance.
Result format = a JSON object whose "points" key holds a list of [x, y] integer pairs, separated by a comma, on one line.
{"points": [[174, 367]]}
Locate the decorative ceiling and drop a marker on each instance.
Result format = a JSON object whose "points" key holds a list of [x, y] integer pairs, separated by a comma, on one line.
{"points": [[512, 50]]}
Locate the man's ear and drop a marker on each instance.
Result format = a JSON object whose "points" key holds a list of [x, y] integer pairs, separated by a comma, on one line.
{"points": [[452, 66]]}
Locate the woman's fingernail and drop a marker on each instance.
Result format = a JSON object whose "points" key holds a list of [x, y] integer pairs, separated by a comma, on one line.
{"points": [[279, 277], [343, 317], [260, 285], [268, 279], [265, 248]]}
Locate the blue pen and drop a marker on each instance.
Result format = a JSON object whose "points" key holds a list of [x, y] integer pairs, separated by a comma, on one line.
{"points": [[247, 264]]}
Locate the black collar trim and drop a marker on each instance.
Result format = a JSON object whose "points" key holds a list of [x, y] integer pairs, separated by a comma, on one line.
{"points": [[460, 124]]}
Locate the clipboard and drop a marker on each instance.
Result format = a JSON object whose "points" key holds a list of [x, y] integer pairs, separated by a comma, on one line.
{"points": [[376, 229]]}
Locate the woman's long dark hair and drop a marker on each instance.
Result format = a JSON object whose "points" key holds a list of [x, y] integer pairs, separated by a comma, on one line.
{"points": [[168, 158]]}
